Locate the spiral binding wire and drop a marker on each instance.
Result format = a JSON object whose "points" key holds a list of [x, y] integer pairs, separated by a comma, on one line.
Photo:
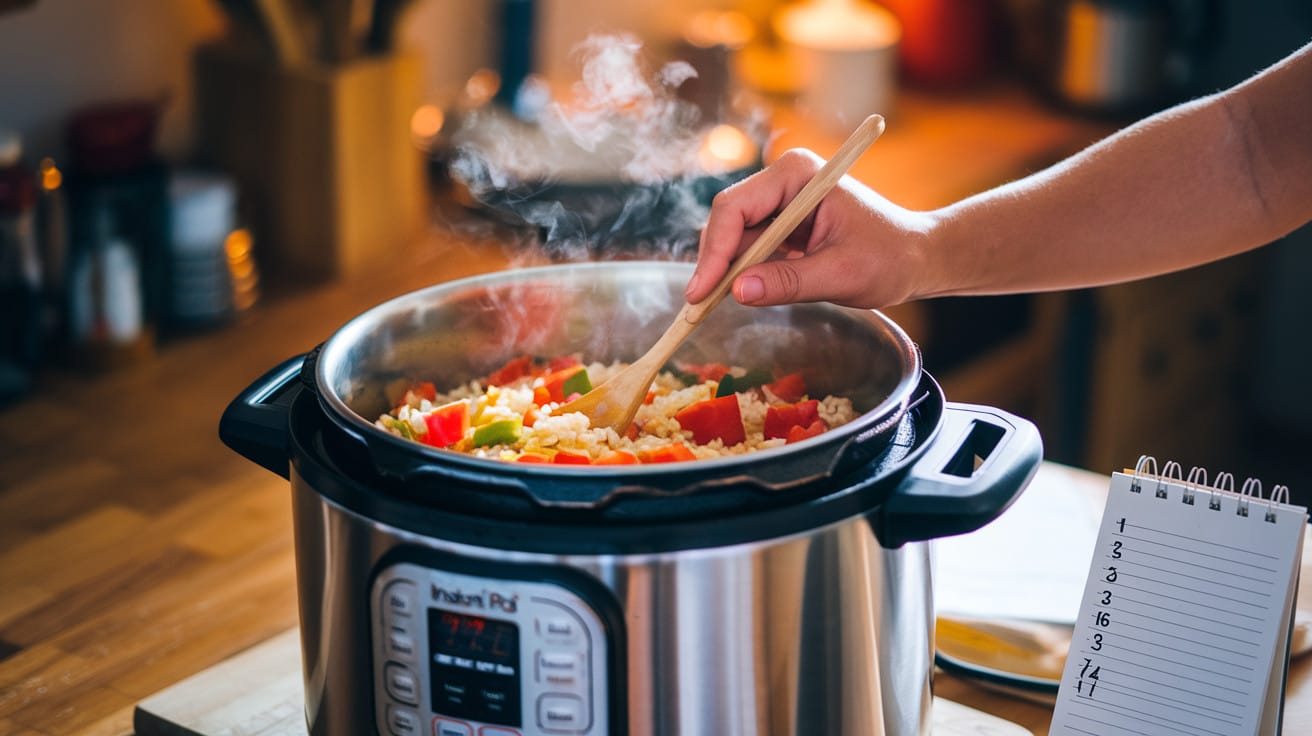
{"points": [[1146, 470]]}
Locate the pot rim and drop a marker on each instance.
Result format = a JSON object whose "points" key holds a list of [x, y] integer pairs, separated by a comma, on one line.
{"points": [[886, 412]]}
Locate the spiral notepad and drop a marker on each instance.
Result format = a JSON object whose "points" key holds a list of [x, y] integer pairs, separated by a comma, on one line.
{"points": [[1187, 611]]}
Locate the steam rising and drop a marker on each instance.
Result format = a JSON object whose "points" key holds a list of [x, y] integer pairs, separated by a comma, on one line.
{"points": [[614, 166]]}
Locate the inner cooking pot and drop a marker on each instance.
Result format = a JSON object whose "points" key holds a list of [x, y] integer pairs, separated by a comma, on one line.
{"points": [[459, 331]]}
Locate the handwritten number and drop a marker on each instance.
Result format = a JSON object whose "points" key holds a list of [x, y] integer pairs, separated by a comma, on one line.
{"points": [[1097, 643], [1106, 598], [1121, 525], [1103, 619], [1116, 550], [1111, 575]]}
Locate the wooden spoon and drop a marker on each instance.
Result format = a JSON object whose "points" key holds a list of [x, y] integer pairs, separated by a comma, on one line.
{"points": [[615, 401]]}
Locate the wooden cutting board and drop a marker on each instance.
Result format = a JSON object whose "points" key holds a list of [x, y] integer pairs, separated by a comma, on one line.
{"points": [[258, 693]]}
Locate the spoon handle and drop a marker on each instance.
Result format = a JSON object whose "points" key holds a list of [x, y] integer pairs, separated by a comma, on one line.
{"points": [[792, 215]]}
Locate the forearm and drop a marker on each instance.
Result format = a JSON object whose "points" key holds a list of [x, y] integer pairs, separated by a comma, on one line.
{"points": [[1193, 184]]}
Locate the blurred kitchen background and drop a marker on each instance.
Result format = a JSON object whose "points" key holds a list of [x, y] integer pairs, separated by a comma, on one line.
{"points": [[170, 168]]}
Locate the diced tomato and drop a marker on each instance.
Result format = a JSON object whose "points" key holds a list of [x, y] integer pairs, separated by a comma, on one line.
{"points": [[672, 453], [714, 418], [541, 396], [532, 457], [554, 382], [424, 390], [779, 419], [571, 458], [447, 424], [617, 457], [558, 364], [797, 433], [705, 371], [790, 388], [515, 369], [651, 396]]}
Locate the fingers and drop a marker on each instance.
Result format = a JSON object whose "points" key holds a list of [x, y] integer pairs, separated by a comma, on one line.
{"points": [[825, 275], [740, 208]]}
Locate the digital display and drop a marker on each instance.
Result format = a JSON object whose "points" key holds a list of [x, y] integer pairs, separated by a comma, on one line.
{"points": [[475, 667]]}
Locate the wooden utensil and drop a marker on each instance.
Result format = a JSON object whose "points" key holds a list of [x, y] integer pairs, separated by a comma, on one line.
{"points": [[615, 401]]}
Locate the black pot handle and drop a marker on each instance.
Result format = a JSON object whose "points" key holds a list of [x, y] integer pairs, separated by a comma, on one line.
{"points": [[982, 459], [255, 423]]}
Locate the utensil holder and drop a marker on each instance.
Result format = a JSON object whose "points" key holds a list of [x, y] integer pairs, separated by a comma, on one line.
{"points": [[323, 155]]}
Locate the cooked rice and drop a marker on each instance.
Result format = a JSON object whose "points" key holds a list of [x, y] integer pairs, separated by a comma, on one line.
{"points": [[571, 432]]}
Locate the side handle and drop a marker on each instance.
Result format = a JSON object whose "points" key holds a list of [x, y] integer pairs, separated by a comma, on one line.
{"points": [[255, 423], [981, 461]]}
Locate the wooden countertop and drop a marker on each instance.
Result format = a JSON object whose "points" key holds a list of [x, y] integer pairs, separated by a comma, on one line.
{"points": [[136, 550]]}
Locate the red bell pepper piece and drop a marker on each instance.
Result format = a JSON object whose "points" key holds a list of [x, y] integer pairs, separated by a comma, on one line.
{"points": [[798, 433], [617, 457], [571, 458], [779, 419], [714, 418], [512, 371], [790, 388], [705, 371], [672, 453], [561, 363], [447, 424], [532, 457], [424, 390]]}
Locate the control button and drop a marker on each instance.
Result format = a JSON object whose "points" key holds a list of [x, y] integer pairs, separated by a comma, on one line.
{"points": [[558, 629], [497, 731], [402, 721], [561, 669], [401, 683], [451, 727], [400, 645], [558, 712], [399, 598]]}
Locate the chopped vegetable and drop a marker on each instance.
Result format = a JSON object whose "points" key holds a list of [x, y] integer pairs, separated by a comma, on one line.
{"points": [[571, 458], [512, 371], [731, 384], [672, 453], [402, 428], [533, 457], [447, 424], [500, 432], [561, 363], [556, 383], [797, 434], [714, 419], [790, 388], [705, 371], [780, 419], [576, 385], [617, 457]]}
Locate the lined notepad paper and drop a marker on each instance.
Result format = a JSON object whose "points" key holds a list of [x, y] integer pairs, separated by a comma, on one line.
{"points": [[1185, 619]]}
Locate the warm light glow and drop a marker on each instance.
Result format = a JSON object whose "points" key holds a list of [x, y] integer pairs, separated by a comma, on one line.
{"points": [[482, 86], [51, 177], [726, 148], [719, 28], [845, 25], [238, 245], [427, 122]]}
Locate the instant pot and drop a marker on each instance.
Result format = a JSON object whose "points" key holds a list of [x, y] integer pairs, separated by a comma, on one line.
{"points": [[784, 592]]}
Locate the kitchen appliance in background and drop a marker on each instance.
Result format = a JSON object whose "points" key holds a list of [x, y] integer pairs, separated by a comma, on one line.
{"points": [[1125, 57], [118, 233], [212, 273], [784, 592]]}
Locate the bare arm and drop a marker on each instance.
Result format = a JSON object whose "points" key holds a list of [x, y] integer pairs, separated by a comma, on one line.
{"points": [[1193, 184]]}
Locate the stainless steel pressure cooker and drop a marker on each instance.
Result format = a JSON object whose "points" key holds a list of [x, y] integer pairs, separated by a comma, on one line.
{"points": [[782, 592]]}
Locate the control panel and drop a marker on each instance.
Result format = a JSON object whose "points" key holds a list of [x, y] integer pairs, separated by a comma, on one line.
{"points": [[458, 654]]}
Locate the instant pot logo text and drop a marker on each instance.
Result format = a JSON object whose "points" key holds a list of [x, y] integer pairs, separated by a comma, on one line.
{"points": [[484, 599]]}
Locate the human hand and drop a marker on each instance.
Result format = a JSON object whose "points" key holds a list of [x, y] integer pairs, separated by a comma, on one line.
{"points": [[856, 248]]}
